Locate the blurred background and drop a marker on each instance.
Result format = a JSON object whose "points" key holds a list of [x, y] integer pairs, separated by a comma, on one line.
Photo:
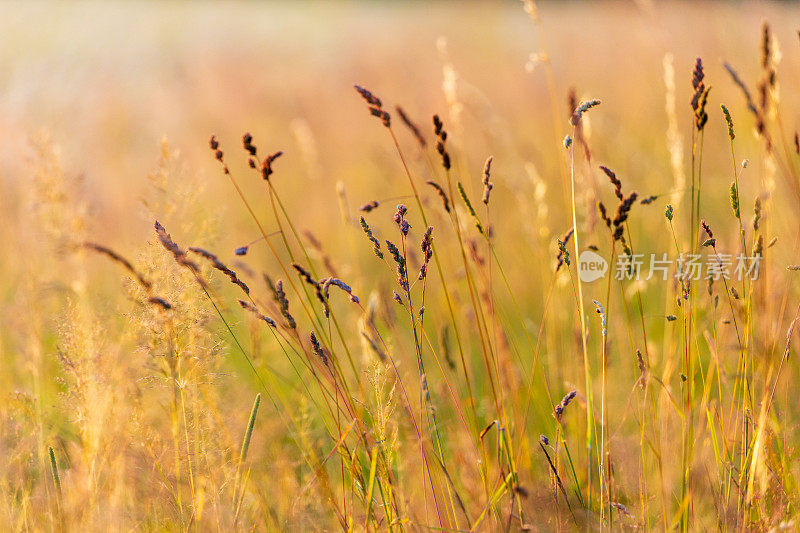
{"points": [[108, 80], [106, 110]]}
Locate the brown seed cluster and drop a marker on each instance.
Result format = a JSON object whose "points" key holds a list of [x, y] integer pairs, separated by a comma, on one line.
{"points": [[427, 252], [180, 256], [279, 296], [316, 285], [375, 105], [565, 401], [441, 134], [369, 206], [700, 97], [623, 210], [329, 282], [216, 263], [614, 181], [213, 143], [415, 131], [253, 309], [649, 200], [642, 368], [319, 351], [442, 194], [487, 185], [114, 256], [144, 282], [247, 141], [266, 165], [402, 275], [400, 220]]}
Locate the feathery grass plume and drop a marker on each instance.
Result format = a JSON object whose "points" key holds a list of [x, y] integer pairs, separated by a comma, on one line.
{"points": [[369, 206], [279, 296], [180, 256], [728, 121], [253, 309], [700, 97], [614, 181], [756, 213], [487, 185], [54, 468], [581, 109], [329, 282], [309, 279], [114, 256], [217, 264], [427, 252], [375, 106], [250, 425], [442, 194], [376, 245], [438, 130], [734, 194], [669, 212], [319, 351], [397, 298], [402, 275], [415, 131], [671, 318], [471, 209], [567, 141], [563, 253], [544, 440]]}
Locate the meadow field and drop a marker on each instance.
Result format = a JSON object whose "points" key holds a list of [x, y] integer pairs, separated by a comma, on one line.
{"points": [[399, 266]]}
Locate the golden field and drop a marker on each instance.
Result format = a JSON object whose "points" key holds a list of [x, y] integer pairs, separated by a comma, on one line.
{"points": [[468, 376]]}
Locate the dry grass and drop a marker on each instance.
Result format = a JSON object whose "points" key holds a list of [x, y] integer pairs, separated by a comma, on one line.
{"points": [[200, 339]]}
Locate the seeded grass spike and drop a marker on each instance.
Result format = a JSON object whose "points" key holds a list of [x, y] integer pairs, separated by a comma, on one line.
{"points": [[376, 245]]}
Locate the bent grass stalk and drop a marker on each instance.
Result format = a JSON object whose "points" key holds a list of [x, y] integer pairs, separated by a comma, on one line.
{"points": [[590, 422]]}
